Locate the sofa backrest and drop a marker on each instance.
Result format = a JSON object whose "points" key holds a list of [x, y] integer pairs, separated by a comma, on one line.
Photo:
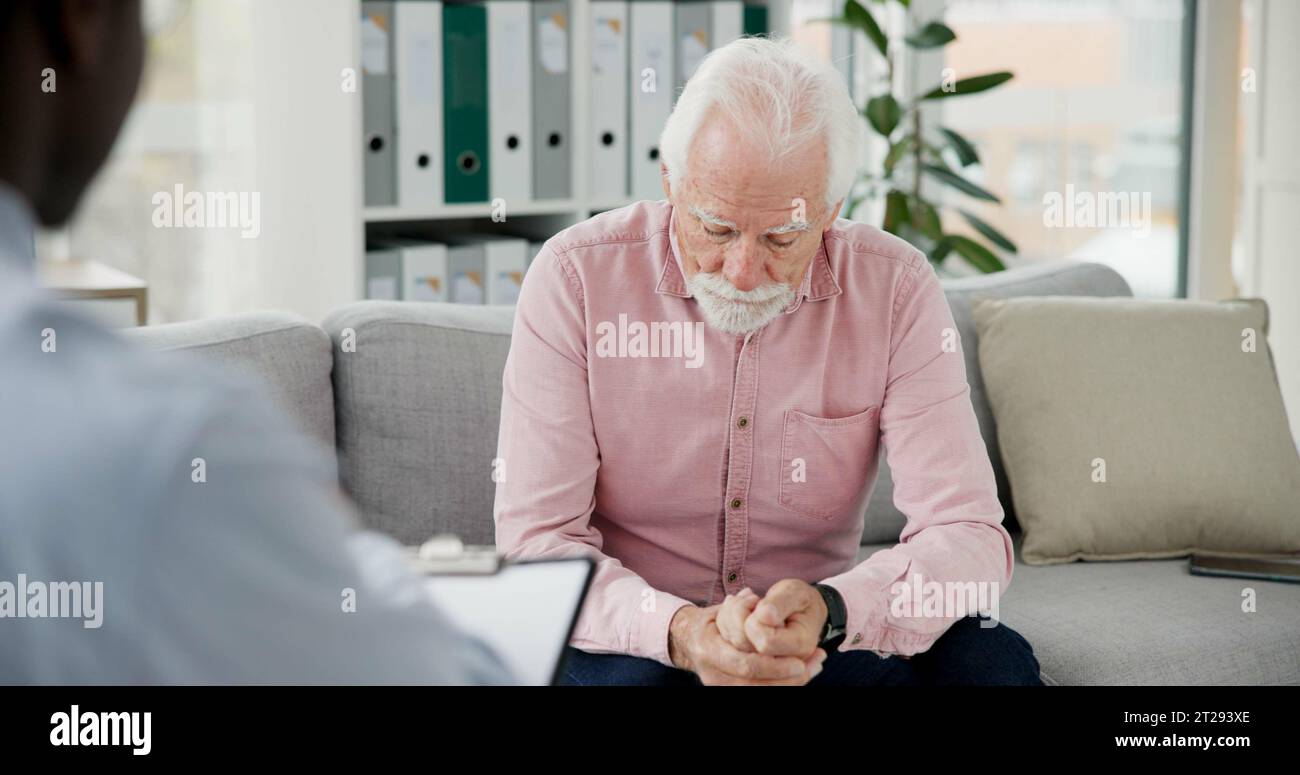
{"points": [[289, 354], [415, 398], [418, 402]]}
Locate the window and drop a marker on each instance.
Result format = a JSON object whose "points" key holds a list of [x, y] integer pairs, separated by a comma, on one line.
{"points": [[1092, 120], [191, 126]]}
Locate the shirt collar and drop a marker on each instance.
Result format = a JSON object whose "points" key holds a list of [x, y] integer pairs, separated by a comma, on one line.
{"points": [[17, 229], [818, 281]]}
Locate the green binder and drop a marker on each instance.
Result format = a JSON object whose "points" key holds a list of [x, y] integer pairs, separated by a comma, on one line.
{"points": [[465, 102], [755, 19]]}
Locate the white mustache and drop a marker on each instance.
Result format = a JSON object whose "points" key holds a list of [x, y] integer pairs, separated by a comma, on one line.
{"points": [[716, 284], [734, 311]]}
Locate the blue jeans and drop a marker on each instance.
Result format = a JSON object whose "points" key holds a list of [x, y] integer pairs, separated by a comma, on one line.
{"points": [[966, 654]]}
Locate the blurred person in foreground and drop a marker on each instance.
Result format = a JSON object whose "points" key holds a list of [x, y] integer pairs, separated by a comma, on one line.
{"points": [[115, 566]]}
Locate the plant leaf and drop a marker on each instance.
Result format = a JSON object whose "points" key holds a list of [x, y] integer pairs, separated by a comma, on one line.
{"points": [[932, 35], [926, 218], [966, 153], [979, 256], [941, 250], [896, 152], [883, 113], [972, 85], [896, 213], [990, 233], [857, 16], [958, 182]]}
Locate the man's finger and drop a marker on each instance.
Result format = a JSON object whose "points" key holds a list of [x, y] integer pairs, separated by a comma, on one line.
{"points": [[753, 668], [812, 668], [731, 618], [794, 638], [781, 602]]}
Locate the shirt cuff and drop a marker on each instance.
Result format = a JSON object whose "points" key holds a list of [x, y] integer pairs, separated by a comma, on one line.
{"points": [[868, 628], [650, 628]]}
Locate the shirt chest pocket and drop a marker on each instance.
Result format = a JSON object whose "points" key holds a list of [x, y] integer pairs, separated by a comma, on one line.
{"points": [[824, 461]]}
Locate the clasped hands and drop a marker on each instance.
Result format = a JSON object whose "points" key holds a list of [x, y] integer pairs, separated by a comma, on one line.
{"points": [[751, 640]]}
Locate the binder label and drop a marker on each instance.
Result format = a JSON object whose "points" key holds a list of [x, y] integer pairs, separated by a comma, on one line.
{"points": [[553, 44], [374, 44]]}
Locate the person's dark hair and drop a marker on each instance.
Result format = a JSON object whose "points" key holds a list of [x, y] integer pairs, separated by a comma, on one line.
{"points": [[47, 13]]}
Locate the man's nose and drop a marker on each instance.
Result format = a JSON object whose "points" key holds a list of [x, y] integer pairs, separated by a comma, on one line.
{"points": [[743, 266]]}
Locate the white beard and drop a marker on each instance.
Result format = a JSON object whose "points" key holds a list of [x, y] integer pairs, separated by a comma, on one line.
{"points": [[734, 311]]}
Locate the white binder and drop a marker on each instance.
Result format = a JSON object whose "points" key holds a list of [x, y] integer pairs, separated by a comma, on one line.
{"points": [[424, 271], [510, 103], [728, 21], [505, 261], [692, 35], [650, 27], [419, 104], [608, 133]]}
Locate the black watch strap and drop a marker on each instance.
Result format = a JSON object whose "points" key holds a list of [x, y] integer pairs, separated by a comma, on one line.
{"points": [[837, 614]]}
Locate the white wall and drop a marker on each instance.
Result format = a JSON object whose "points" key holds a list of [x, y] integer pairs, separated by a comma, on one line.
{"points": [[307, 138], [1271, 186]]}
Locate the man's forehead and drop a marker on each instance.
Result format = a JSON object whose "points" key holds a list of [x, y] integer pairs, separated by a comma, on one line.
{"points": [[770, 219]]}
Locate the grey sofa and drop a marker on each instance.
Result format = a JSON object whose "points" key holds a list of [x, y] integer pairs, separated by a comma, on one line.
{"points": [[411, 410]]}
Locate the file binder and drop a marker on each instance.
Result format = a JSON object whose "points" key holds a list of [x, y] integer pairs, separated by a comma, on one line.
{"points": [[486, 268], [422, 268], [383, 273], [418, 34], [533, 249], [755, 18], [466, 267], [692, 38], [726, 22], [552, 138], [510, 99], [377, 98], [650, 29], [609, 98], [507, 261], [465, 102]]}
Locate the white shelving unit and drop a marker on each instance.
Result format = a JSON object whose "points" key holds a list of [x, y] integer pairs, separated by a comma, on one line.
{"points": [[544, 215]]}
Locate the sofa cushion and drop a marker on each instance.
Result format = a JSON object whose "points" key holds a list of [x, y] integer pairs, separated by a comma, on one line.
{"points": [[1195, 455], [883, 521], [285, 352], [1150, 622], [418, 405]]}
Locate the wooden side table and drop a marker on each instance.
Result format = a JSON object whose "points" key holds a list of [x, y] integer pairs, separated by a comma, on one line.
{"points": [[76, 279]]}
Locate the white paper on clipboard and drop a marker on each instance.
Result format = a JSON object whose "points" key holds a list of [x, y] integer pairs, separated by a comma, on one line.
{"points": [[525, 612]]}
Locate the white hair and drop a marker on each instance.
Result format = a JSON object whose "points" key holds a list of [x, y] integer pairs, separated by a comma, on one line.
{"points": [[780, 96]]}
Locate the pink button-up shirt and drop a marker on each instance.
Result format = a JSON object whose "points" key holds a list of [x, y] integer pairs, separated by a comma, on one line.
{"points": [[691, 463]]}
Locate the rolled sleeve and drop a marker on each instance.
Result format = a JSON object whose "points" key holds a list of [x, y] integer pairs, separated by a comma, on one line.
{"points": [[943, 483]]}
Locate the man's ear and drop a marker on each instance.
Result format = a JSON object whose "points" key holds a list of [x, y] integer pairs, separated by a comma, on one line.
{"points": [[834, 213], [663, 179]]}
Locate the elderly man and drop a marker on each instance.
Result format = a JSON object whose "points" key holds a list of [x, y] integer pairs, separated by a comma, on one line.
{"points": [[696, 393]]}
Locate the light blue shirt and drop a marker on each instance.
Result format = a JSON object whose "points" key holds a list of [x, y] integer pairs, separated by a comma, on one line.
{"points": [[248, 577]]}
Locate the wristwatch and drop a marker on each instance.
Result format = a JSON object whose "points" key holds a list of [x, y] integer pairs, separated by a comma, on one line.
{"points": [[837, 614]]}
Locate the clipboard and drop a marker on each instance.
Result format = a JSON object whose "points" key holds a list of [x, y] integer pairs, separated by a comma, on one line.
{"points": [[524, 611]]}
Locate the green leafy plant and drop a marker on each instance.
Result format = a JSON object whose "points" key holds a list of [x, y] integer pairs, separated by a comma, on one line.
{"points": [[918, 153]]}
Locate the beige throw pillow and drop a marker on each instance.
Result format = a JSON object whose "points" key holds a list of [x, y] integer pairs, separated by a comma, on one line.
{"points": [[1134, 428]]}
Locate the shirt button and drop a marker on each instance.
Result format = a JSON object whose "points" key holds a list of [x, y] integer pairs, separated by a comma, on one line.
{"points": [[857, 638], [731, 577], [736, 503], [742, 422]]}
